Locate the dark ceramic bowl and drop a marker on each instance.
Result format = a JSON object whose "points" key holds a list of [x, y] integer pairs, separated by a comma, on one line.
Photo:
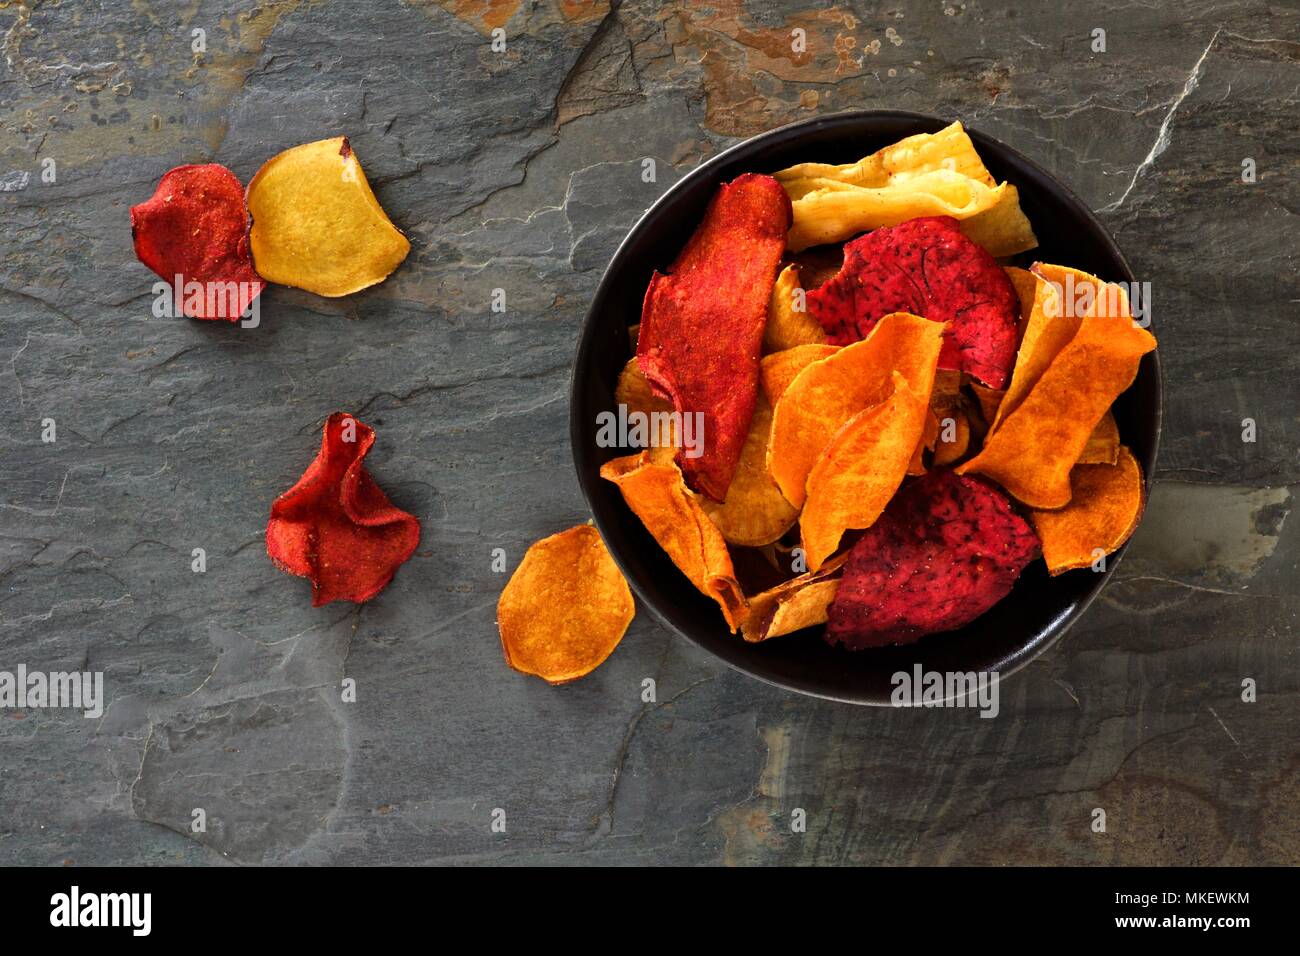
{"points": [[1040, 608]]}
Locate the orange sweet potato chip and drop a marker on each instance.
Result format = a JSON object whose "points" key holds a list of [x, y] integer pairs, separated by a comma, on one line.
{"points": [[1063, 298], [755, 512], [1026, 285], [829, 392], [795, 604], [1103, 444], [779, 369], [565, 608], [671, 512], [860, 470], [787, 325], [1033, 446], [1104, 510]]}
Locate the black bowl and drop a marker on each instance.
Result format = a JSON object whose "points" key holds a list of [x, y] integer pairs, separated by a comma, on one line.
{"points": [[1039, 609]]}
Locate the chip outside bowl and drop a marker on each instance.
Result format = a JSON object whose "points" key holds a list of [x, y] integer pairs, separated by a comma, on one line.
{"points": [[1037, 611]]}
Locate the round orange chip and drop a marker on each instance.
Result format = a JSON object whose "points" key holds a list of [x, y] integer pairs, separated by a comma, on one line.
{"points": [[565, 608], [1104, 510]]}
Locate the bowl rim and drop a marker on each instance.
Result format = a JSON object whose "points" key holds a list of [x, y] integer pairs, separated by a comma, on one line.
{"points": [[1019, 659]]}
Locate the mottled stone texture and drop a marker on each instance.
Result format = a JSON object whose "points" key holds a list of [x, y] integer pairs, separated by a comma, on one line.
{"points": [[521, 171]]}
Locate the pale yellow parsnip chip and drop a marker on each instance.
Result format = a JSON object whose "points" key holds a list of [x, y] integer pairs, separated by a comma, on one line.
{"points": [[1002, 229], [860, 469], [835, 215], [830, 391], [949, 149], [565, 608], [316, 223], [755, 512], [671, 512]]}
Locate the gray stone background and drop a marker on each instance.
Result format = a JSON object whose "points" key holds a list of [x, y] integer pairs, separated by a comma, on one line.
{"points": [[521, 171]]}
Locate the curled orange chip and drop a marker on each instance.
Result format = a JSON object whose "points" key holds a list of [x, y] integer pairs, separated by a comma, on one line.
{"points": [[671, 512], [565, 608], [1037, 439], [788, 321], [861, 469], [316, 223], [1103, 512], [755, 512], [1026, 285], [1063, 298], [779, 369], [828, 392], [1103, 444], [795, 604], [989, 400]]}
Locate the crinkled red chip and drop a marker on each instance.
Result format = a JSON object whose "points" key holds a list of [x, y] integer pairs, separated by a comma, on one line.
{"points": [[196, 226], [336, 526], [927, 267], [946, 550], [702, 324]]}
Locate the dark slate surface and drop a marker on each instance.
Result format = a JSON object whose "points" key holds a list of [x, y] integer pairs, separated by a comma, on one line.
{"points": [[521, 171]]}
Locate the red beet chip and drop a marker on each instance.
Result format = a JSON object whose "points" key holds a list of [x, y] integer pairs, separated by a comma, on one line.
{"points": [[196, 226], [946, 550], [336, 526], [702, 323], [926, 267]]}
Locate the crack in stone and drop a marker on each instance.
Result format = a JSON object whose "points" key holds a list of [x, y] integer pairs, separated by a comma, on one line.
{"points": [[1162, 135]]}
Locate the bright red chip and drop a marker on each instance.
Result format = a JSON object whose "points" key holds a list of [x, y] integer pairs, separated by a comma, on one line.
{"points": [[946, 550], [702, 324], [336, 526], [196, 226], [926, 267]]}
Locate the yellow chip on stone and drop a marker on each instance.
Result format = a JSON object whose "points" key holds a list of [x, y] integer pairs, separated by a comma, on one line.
{"points": [[316, 223]]}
